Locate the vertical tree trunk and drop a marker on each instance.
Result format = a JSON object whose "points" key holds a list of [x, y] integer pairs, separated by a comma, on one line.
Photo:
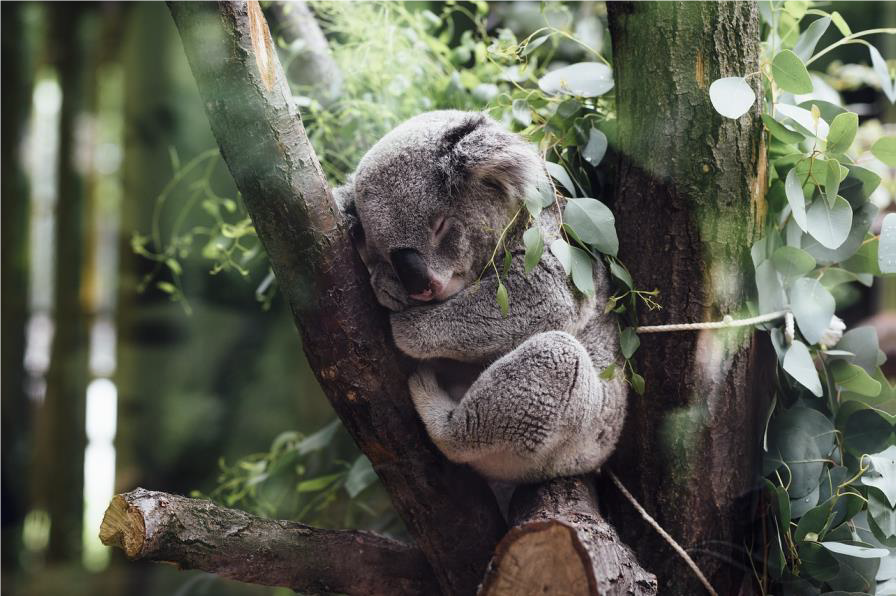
{"points": [[16, 107], [61, 451], [689, 201]]}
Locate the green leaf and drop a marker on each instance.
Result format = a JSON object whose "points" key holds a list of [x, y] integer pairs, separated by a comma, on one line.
{"points": [[769, 289], [638, 383], [585, 79], [798, 364], [166, 287], [360, 476], [593, 223], [793, 189], [534, 244], [559, 174], [832, 182], [582, 270], [608, 373], [792, 263], [863, 342], [884, 149], [781, 132], [790, 73], [503, 301], [508, 260], [862, 219], [883, 73], [886, 250], [731, 97], [812, 306], [830, 226], [319, 439], [317, 484], [522, 113], [885, 465], [629, 342], [854, 378], [842, 132], [809, 38], [881, 512], [560, 248], [596, 148], [840, 23], [622, 274], [817, 562], [813, 522], [534, 44]]}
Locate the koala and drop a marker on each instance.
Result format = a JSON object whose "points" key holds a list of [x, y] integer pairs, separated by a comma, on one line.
{"points": [[517, 397]]}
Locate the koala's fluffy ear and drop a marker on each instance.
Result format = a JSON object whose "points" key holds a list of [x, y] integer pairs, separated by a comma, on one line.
{"points": [[479, 151], [345, 199]]}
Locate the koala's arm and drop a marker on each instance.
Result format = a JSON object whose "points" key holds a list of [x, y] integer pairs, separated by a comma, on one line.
{"points": [[470, 326]]}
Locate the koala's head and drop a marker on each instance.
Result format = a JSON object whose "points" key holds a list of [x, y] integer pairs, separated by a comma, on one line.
{"points": [[432, 197]]}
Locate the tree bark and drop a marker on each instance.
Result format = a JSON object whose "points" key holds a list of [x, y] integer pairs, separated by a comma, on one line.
{"points": [[691, 185], [197, 534], [560, 544], [16, 419], [448, 509], [313, 66]]}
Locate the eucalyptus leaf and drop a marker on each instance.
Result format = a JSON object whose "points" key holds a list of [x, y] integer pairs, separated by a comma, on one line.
{"points": [[798, 364], [854, 378], [805, 45], [812, 306], [360, 476], [861, 222], [856, 550], [628, 342], [781, 132], [863, 342], [503, 299], [887, 85], [596, 147], [886, 250], [522, 113], [792, 263], [593, 223], [793, 188], [842, 132], [790, 73], [582, 270], [832, 184], [885, 465], [534, 243], [770, 291], [560, 248], [884, 149], [584, 79], [731, 97], [830, 225], [559, 174], [802, 117]]}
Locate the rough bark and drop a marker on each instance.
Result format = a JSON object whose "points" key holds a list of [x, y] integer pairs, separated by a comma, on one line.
{"points": [[560, 544], [449, 510], [312, 66], [16, 419], [197, 534], [690, 185]]}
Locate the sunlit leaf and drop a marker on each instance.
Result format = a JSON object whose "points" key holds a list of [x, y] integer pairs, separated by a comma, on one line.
{"points": [[731, 97]]}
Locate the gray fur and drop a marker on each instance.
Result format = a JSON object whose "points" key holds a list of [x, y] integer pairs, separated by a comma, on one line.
{"points": [[537, 409]]}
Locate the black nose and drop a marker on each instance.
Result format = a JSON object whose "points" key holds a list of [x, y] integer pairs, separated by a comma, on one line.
{"points": [[411, 270]]}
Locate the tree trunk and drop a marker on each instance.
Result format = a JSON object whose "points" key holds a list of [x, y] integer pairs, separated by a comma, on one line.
{"points": [[15, 220], [448, 509], [60, 455], [690, 186], [560, 544]]}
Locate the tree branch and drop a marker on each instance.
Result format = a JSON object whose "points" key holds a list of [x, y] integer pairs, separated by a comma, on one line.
{"points": [[448, 509], [560, 544], [313, 66], [197, 534]]}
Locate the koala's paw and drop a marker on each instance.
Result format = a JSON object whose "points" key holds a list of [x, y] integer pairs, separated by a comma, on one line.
{"points": [[426, 392], [387, 290], [408, 334]]}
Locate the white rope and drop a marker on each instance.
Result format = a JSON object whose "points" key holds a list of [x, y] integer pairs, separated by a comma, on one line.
{"points": [[656, 526], [725, 323]]}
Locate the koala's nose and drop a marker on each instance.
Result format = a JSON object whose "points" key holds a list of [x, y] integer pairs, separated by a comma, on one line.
{"points": [[411, 270]]}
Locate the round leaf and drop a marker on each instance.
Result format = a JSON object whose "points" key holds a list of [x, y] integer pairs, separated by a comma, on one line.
{"points": [[792, 263], [790, 73], [884, 149], [842, 132], [830, 226], [732, 97], [781, 132], [585, 79]]}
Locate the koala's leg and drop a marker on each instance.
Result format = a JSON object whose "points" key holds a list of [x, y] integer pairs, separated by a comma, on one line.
{"points": [[539, 411]]}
